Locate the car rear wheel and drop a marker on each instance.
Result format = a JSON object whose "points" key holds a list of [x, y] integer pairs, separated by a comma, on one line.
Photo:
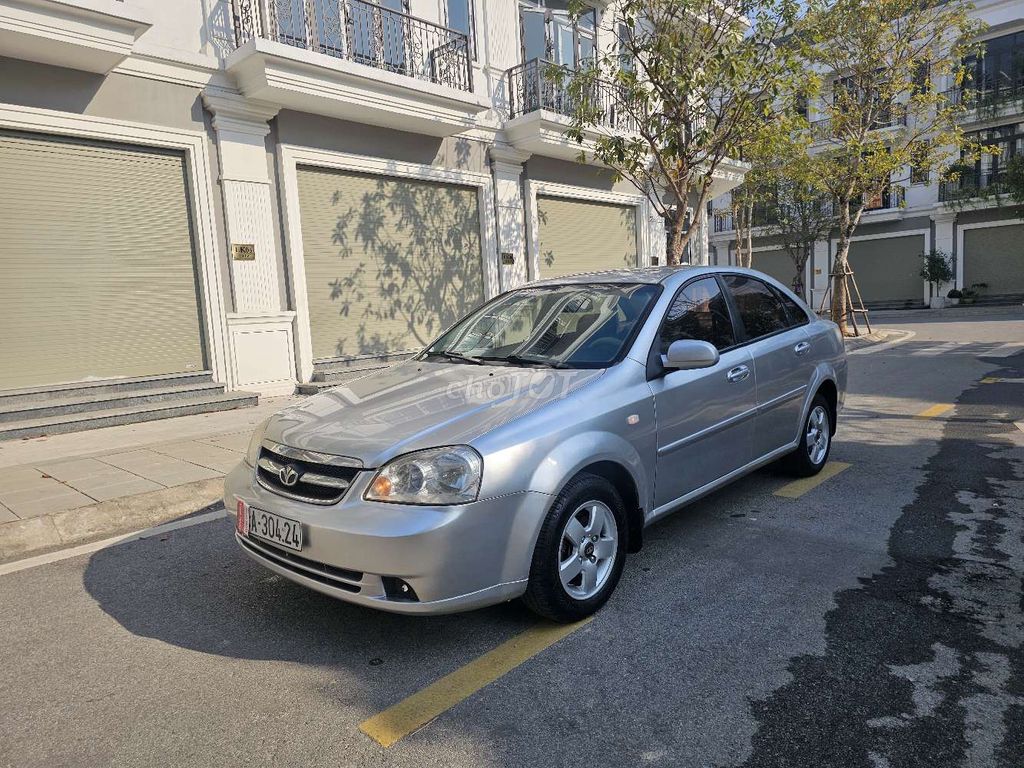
{"points": [[815, 441], [580, 551]]}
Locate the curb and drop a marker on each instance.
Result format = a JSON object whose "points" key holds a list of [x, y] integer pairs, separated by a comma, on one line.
{"points": [[106, 518], [883, 338]]}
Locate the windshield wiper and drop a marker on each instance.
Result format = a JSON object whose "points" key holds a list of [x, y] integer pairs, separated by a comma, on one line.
{"points": [[520, 360], [458, 356]]}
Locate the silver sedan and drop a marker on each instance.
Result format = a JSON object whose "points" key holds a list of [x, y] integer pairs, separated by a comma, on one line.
{"points": [[523, 453]]}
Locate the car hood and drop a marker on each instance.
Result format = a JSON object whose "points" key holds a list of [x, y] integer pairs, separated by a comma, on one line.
{"points": [[419, 405]]}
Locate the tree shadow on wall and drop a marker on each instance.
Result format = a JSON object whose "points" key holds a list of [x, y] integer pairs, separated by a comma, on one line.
{"points": [[409, 263]]}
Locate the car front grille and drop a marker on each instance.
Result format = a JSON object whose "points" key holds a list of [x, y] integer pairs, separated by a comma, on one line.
{"points": [[305, 476]]}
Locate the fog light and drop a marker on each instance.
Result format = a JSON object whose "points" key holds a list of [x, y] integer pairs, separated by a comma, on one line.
{"points": [[396, 589]]}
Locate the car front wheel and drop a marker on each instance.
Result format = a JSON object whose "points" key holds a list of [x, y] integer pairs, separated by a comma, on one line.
{"points": [[580, 551]]}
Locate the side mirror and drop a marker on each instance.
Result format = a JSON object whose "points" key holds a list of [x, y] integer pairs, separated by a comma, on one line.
{"points": [[689, 354]]}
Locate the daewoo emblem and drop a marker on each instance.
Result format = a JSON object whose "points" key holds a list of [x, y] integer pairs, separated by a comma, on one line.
{"points": [[288, 475]]}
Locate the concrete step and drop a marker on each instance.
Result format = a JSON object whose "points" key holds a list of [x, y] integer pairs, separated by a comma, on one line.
{"points": [[336, 379], [77, 422], [83, 388], [1000, 300], [882, 306], [333, 370], [88, 400]]}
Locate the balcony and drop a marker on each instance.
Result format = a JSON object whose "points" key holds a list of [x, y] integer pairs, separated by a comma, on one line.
{"points": [[540, 108], [988, 103], [824, 130], [357, 61], [88, 35], [971, 185], [891, 199]]}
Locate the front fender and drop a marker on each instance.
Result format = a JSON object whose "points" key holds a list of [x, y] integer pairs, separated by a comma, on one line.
{"points": [[569, 457]]}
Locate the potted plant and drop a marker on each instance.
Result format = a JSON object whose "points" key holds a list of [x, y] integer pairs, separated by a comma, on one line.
{"points": [[936, 269], [954, 296], [970, 295]]}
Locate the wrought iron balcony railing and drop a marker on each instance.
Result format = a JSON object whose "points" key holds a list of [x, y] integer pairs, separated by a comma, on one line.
{"points": [[969, 185], [822, 130], [891, 197], [988, 98], [362, 32], [769, 216], [534, 85]]}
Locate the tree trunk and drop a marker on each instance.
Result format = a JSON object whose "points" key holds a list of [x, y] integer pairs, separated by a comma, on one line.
{"points": [[742, 221], [679, 240], [840, 298], [801, 265]]}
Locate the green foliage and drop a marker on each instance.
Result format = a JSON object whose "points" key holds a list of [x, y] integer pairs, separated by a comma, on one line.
{"points": [[937, 267], [876, 119], [700, 87]]}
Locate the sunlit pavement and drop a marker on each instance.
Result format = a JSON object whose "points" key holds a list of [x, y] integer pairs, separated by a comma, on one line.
{"points": [[871, 617]]}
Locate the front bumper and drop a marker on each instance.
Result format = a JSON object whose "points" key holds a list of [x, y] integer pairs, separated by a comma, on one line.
{"points": [[454, 558]]}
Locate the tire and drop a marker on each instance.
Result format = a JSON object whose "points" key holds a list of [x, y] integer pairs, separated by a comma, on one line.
{"points": [[811, 455], [594, 508]]}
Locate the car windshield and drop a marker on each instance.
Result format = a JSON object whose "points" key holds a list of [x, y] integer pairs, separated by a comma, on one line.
{"points": [[558, 326]]}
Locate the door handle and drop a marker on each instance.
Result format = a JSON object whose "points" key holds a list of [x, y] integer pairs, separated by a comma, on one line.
{"points": [[739, 373], [802, 348]]}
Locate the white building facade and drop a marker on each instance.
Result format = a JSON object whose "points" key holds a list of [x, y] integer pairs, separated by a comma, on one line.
{"points": [[277, 192], [920, 212]]}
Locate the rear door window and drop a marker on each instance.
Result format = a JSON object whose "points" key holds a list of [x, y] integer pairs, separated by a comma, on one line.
{"points": [[760, 310], [797, 315]]}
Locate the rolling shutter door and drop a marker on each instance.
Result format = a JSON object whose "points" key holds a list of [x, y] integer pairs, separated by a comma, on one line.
{"points": [[389, 262], [889, 269], [97, 278], [776, 263], [584, 236], [995, 256]]}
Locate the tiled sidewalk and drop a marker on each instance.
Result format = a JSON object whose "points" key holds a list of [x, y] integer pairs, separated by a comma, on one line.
{"points": [[62, 472]]}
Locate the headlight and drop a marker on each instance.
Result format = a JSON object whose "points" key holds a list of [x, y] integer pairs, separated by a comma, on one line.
{"points": [[436, 476], [252, 454]]}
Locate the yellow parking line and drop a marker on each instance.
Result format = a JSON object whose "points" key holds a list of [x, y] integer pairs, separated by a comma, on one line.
{"points": [[935, 410], [798, 488], [1001, 380], [410, 714]]}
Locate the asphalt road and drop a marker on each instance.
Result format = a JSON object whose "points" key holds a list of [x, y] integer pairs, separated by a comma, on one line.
{"points": [[876, 620]]}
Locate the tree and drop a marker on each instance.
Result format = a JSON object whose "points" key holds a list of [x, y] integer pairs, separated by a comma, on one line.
{"points": [[882, 113], [685, 84], [800, 217]]}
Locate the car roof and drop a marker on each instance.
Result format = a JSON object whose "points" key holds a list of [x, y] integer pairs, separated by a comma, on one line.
{"points": [[651, 275]]}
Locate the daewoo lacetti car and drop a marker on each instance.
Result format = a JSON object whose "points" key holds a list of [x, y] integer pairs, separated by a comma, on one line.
{"points": [[524, 451]]}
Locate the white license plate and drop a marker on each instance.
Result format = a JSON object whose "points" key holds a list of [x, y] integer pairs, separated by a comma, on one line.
{"points": [[274, 528]]}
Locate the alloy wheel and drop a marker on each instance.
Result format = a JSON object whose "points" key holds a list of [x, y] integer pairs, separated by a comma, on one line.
{"points": [[587, 552], [817, 435]]}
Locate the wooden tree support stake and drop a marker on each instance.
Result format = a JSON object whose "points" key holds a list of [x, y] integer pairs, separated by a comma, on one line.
{"points": [[852, 308]]}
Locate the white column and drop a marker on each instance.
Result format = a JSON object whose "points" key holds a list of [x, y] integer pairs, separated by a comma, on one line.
{"points": [[507, 168], [819, 269], [699, 241], [945, 229], [261, 332]]}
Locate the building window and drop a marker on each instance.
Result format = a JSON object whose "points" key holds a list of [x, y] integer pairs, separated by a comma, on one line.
{"points": [[460, 16], [918, 172], [1001, 68], [922, 78], [548, 31], [1009, 140]]}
